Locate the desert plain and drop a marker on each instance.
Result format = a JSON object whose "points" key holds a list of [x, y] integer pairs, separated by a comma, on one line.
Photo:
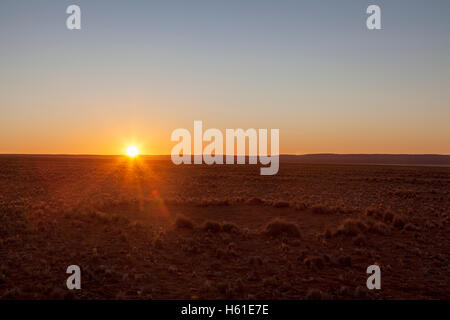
{"points": [[147, 229]]}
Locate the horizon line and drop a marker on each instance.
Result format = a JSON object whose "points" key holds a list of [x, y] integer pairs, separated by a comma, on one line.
{"points": [[168, 155]]}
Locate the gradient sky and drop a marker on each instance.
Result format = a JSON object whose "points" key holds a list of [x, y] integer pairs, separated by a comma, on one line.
{"points": [[140, 69]]}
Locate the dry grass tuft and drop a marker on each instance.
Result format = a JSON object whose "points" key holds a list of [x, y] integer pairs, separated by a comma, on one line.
{"points": [[380, 228], [314, 262], [320, 210], [351, 227], [327, 233], [255, 202], [315, 294], [345, 261], [212, 226], [360, 240], [281, 204], [300, 206], [216, 227], [374, 213], [213, 203], [98, 216], [277, 228], [399, 222], [183, 222], [388, 217], [230, 228], [411, 227], [360, 293]]}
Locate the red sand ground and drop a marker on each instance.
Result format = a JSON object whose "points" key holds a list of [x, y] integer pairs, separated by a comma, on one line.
{"points": [[146, 229]]}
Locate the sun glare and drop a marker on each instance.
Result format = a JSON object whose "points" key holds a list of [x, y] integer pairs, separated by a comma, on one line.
{"points": [[132, 151]]}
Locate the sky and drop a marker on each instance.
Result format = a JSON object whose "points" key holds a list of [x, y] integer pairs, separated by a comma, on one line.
{"points": [[137, 70]]}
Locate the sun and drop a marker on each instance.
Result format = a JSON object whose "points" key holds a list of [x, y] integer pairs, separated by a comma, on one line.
{"points": [[132, 151]]}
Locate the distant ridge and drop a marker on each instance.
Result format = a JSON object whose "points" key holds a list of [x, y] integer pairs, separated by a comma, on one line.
{"points": [[393, 159]]}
